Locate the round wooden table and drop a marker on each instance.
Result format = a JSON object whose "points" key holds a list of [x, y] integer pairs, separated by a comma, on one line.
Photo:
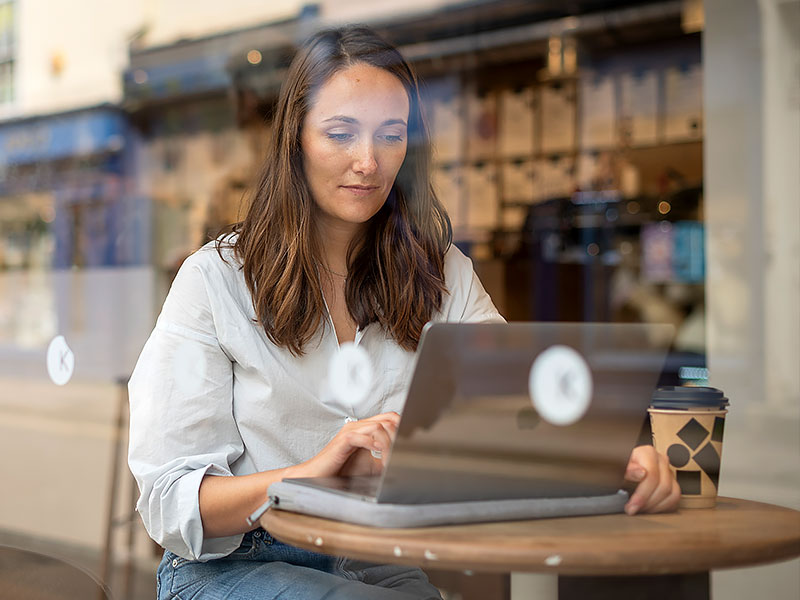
{"points": [[736, 533]]}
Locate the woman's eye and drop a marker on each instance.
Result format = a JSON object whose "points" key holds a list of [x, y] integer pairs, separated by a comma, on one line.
{"points": [[340, 137], [393, 139]]}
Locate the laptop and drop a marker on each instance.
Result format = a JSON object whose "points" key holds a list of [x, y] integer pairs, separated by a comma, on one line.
{"points": [[504, 421]]}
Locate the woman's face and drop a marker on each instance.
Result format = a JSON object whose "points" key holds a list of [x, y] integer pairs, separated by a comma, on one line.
{"points": [[354, 142]]}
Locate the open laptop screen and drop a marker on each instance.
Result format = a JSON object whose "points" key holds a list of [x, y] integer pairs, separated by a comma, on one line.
{"points": [[476, 426]]}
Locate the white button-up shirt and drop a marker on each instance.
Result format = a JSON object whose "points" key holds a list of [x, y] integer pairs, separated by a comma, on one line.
{"points": [[212, 395]]}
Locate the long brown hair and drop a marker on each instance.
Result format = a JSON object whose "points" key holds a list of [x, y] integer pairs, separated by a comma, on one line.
{"points": [[396, 269]]}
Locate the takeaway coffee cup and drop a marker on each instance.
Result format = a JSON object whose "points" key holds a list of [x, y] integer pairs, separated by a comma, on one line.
{"points": [[687, 425]]}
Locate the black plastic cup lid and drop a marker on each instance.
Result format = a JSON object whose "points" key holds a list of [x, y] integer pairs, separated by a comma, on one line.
{"points": [[686, 397]]}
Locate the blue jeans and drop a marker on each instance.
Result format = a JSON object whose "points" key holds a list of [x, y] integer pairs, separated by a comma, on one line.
{"points": [[263, 568]]}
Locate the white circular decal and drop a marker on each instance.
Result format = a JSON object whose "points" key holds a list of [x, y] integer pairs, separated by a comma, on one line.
{"points": [[350, 374], [560, 385], [60, 361]]}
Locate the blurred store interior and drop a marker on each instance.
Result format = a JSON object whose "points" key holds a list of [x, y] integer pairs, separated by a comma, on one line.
{"points": [[600, 160]]}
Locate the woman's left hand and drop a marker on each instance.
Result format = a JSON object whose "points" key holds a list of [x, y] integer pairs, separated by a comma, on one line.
{"points": [[657, 489]]}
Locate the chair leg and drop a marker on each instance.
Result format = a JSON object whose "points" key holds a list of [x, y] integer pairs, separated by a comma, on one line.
{"points": [[107, 562]]}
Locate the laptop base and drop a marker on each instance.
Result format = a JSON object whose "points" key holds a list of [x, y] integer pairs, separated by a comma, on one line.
{"points": [[317, 502]]}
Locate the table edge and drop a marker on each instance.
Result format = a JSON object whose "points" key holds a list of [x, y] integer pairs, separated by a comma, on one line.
{"points": [[533, 561]]}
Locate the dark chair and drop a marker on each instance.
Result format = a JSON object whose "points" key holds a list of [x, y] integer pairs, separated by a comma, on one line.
{"points": [[26, 575]]}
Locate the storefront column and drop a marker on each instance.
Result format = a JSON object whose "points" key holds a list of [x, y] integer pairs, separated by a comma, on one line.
{"points": [[780, 32], [752, 215], [734, 201]]}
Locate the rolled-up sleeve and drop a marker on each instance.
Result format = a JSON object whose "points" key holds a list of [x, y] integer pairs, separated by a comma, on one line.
{"points": [[182, 425]]}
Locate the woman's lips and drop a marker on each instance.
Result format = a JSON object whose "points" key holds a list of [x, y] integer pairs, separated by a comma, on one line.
{"points": [[360, 190]]}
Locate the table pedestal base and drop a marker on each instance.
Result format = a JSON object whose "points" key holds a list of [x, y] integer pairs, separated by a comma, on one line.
{"points": [[690, 586], [535, 586]]}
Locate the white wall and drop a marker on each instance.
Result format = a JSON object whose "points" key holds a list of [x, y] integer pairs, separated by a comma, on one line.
{"points": [[91, 38]]}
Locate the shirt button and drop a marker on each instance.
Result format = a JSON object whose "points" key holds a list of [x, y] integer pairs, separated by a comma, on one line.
{"points": [[350, 419], [174, 562], [257, 534]]}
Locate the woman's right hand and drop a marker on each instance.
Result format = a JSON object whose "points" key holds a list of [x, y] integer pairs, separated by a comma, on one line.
{"points": [[350, 450], [226, 501]]}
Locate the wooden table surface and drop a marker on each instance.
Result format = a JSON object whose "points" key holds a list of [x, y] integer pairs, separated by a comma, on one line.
{"points": [[735, 533]]}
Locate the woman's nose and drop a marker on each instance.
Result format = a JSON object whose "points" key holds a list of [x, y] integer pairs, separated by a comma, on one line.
{"points": [[364, 160]]}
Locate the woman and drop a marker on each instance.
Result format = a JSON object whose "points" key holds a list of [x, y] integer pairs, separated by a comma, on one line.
{"points": [[344, 241]]}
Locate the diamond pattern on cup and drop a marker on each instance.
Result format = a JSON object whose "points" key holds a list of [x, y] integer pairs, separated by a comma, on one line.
{"points": [[719, 427], [708, 460], [693, 434]]}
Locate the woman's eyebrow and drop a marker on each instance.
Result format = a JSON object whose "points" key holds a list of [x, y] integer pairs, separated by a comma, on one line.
{"points": [[354, 121]]}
